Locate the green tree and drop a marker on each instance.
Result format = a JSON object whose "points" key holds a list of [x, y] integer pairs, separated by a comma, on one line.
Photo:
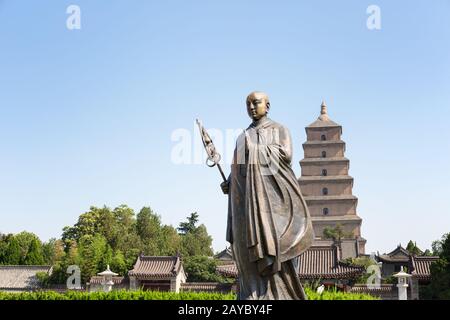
{"points": [[436, 245], [91, 253], [89, 223], [43, 278], [106, 258], [365, 262], [169, 241], [53, 251], [25, 239], [13, 254], [34, 255], [4, 243], [197, 243], [68, 257], [117, 226], [48, 251], [439, 287], [337, 233], [413, 249], [118, 264], [148, 225], [116, 237], [190, 225], [202, 269]]}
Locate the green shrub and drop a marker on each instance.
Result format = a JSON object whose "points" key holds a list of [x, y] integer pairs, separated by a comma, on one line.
{"points": [[157, 295], [115, 295], [337, 295], [43, 279]]}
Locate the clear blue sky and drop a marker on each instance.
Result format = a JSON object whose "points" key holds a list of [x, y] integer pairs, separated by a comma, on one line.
{"points": [[86, 116]]}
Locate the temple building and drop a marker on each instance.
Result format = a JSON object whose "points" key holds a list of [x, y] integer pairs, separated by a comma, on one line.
{"points": [[419, 266], [317, 264], [327, 186], [157, 273]]}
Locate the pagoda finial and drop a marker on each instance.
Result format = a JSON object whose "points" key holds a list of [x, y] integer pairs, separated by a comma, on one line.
{"points": [[324, 107], [323, 112]]}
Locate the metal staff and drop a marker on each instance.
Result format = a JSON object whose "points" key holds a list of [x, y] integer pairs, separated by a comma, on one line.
{"points": [[213, 156]]}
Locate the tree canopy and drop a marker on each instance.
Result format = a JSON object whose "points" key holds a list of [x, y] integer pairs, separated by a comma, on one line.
{"points": [[439, 287], [413, 248], [105, 236], [337, 233]]}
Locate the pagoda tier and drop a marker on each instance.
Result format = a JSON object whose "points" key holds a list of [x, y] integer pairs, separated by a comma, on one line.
{"points": [[325, 181]]}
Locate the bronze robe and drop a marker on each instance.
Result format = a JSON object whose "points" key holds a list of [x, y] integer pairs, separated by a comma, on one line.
{"points": [[268, 221]]}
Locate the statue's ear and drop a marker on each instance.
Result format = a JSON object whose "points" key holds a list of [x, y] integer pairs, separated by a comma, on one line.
{"points": [[268, 106]]}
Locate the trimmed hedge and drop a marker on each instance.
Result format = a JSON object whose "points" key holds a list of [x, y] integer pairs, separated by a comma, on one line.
{"points": [[337, 295], [116, 295], [157, 295]]}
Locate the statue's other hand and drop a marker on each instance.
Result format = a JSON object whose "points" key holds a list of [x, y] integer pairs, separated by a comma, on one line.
{"points": [[225, 187]]}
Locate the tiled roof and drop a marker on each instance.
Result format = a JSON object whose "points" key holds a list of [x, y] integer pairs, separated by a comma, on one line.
{"points": [[321, 143], [421, 266], [323, 120], [156, 267], [374, 290], [228, 270], [99, 280], [323, 123], [207, 286], [322, 263], [399, 254], [61, 288], [21, 277], [225, 254], [315, 263]]}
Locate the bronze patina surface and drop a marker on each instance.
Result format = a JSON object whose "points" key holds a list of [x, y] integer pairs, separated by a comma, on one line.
{"points": [[269, 225]]}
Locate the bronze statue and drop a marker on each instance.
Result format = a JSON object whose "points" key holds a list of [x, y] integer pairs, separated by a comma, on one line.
{"points": [[268, 221]]}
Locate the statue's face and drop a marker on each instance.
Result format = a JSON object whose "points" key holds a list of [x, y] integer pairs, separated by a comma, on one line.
{"points": [[257, 107]]}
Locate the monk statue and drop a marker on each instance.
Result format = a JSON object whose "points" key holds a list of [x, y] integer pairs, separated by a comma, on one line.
{"points": [[269, 224]]}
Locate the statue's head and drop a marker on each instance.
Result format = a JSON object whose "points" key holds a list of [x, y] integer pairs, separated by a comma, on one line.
{"points": [[257, 105]]}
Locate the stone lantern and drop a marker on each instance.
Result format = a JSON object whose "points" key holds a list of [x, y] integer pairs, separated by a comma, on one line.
{"points": [[107, 279], [402, 285]]}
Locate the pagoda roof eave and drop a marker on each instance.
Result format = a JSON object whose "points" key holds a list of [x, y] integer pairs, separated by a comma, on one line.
{"points": [[323, 124], [325, 178]]}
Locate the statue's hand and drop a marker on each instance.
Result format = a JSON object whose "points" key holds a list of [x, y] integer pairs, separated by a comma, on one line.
{"points": [[225, 187]]}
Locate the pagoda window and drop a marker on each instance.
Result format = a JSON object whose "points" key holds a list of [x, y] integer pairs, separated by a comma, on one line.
{"points": [[325, 211], [323, 137], [325, 191], [324, 154], [324, 172]]}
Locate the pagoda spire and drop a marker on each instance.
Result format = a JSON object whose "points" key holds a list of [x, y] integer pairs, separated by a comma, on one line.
{"points": [[323, 112]]}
